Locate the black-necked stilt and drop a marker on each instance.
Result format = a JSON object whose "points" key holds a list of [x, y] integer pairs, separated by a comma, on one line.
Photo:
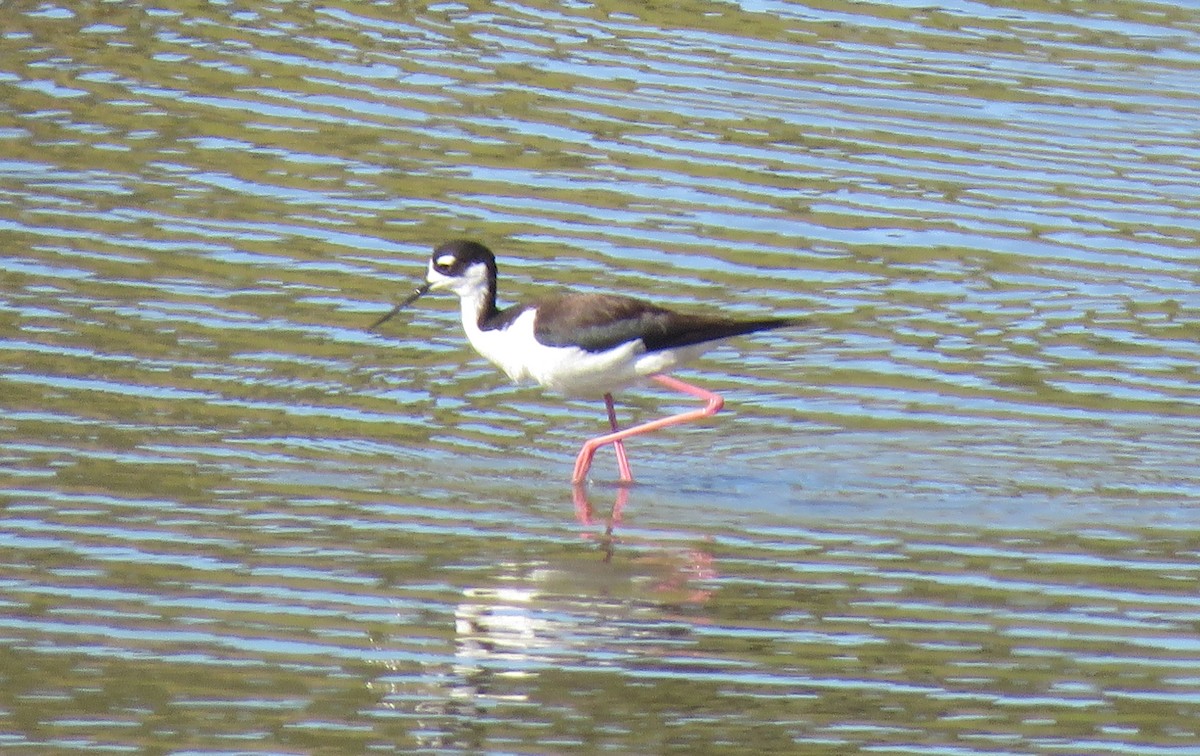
{"points": [[580, 344]]}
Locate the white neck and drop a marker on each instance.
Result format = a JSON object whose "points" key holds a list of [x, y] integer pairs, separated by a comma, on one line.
{"points": [[474, 293], [474, 296], [474, 304]]}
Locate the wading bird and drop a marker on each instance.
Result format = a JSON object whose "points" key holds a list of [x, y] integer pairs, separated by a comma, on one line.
{"points": [[581, 345]]}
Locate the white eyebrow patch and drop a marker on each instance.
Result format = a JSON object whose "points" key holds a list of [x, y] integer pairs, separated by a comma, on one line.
{"points": [[446, 261]]}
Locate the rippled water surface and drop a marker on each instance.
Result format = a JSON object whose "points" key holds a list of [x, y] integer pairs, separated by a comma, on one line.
{"points": [[960, 514]]}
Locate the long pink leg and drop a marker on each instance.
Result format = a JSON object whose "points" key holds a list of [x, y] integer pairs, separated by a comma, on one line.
{"points": [[622, 460], [583, 463]]}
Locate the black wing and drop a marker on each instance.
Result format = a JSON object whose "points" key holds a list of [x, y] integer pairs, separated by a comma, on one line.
{"points": [[598, 322]]}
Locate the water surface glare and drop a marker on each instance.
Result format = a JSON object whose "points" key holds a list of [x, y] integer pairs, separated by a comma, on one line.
{"points": [[958, 515]]}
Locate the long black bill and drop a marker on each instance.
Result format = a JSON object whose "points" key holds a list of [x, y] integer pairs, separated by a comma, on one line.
{"points": [[407, 301]]}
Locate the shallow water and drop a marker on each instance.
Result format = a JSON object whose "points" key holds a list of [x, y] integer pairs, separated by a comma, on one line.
{"points": [[958, 515]]}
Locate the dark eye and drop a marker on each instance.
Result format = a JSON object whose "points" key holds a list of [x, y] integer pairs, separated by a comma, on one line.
{"points": [[444, 264]]}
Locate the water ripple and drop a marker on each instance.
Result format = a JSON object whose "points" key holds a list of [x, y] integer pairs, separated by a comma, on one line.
{"points": [[955, 515]]}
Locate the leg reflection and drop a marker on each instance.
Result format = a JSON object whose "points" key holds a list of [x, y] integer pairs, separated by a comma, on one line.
{"points": [[676, 571], [584, 513], [584, 510]]}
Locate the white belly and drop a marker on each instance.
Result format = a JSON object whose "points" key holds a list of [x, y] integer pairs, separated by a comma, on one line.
{"points": [[568, 370]]}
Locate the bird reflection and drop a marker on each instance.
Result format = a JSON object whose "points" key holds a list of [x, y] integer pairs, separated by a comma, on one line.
{"points": [[518, 621]]}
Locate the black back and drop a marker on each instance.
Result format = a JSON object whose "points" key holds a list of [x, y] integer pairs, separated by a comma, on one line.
{"points": [[598, 322]]}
